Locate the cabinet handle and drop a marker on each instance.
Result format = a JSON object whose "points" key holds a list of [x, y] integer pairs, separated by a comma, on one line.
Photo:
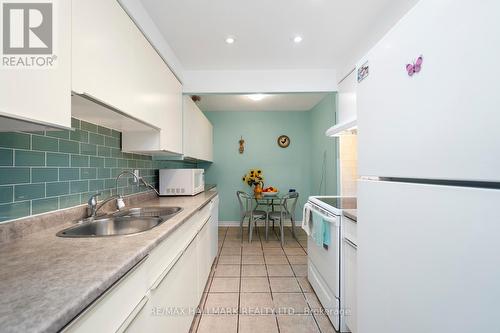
{"points": [[133, 315], [350, 243]]}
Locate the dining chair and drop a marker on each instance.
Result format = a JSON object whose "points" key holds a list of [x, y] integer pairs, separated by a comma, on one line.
{"points": [[247, 210], [286, 212]]}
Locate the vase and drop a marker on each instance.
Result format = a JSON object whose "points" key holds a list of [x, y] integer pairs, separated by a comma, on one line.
{"points": [[257, 190]]}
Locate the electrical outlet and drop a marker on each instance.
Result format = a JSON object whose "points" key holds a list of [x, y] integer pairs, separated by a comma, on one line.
{"points": [[136, 173]]}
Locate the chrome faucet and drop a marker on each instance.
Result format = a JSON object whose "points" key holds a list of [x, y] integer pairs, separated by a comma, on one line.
{"points": [[93, 207]]}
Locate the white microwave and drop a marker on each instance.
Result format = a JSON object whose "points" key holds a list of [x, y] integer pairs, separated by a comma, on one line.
{"points": [[181, 181]]}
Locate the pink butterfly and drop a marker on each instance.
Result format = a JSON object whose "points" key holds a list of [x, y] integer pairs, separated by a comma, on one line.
{"points": [[415, 67]]}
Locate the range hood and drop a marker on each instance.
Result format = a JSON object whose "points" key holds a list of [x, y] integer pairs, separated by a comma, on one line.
{"points": [[342, 128]]}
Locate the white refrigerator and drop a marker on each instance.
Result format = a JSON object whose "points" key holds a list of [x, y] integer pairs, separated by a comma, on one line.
{"points": [[429, 158]]}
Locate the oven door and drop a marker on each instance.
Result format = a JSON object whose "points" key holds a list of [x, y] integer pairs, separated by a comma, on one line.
{"points": [[324, 267]]}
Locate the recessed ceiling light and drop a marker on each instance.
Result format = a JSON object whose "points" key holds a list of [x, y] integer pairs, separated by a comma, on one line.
{"points": [[256, 97], [297, 39], [230, 40]]}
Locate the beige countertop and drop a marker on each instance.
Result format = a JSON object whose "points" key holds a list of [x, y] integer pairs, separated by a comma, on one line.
{"points": [[45, 280]]}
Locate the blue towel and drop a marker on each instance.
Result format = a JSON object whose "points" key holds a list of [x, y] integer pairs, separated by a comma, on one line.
{"points": [[320, 230]]}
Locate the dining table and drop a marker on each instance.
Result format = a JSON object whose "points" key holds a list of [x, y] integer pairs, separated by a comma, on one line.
{"points": [[270, 201]]}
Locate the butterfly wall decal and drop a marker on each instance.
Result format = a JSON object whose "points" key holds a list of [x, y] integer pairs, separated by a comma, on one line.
{"points": [[415, 67]]}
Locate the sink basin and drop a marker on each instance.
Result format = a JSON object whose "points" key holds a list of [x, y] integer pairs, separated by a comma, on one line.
{"points": [[115, 226], [164, 212]]}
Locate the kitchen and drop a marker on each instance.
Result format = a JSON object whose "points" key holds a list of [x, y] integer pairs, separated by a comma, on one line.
{"points": [[230, 167]]}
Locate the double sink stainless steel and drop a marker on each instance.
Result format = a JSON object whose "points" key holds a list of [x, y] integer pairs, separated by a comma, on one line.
{"points": [[127, 222]]}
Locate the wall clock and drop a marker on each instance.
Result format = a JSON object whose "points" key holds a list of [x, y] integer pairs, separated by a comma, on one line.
{"points": [[283, 141]]}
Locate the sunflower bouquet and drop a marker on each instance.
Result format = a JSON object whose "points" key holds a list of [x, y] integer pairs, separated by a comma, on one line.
{"points": [[254, 177]]}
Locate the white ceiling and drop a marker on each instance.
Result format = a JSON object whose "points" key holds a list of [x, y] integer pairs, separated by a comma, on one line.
{"points": [[271, 102], [334, 32]]}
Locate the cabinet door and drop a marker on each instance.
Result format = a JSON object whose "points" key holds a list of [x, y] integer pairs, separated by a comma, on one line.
{"points": [[214, 226], [114, 63], [198, 132], [350, 276], [48, 87], [204, 256], [171, 305], [441, 123]]}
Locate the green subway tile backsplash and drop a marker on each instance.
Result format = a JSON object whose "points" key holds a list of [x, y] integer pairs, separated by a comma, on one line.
{"points": [[44, 143], [29, 158], [29, 191], [44, 175], [46, 171], [6, 194], [15, 210], [6, 157], [14, 175], [57, 160], [15, 140], [44, 205]]}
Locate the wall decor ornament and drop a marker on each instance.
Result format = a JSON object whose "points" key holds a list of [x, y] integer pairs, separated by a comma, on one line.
{"points": [[415, 67], [242, 145]]}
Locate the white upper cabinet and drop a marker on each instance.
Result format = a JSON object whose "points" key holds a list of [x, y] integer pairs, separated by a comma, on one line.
{"points": [[198, 133], [34, 85], [114, 63], [440, 123]]}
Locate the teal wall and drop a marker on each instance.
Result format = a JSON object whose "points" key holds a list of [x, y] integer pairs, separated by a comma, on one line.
{"points": [[323, 149], [50, 170], [283, 168], [297, 166]]}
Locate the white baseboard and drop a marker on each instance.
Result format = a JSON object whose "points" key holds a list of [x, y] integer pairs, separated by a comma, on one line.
{"points": [[260, 223]]}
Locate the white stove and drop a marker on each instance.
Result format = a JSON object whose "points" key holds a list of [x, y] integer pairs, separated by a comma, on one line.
{"points": [[324, 261]]}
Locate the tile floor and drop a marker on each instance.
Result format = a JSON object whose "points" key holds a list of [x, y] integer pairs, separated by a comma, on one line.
{"points": [[260, 287]]}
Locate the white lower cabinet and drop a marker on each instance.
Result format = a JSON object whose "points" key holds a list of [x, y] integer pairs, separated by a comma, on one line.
{"points": [[162, 292], [350, 256], [171, 305], [204, 256]]}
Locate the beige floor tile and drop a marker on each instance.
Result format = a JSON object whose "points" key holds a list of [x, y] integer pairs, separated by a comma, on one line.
{"points": [[225, 285], [222, 303], [253, 260], [230, 251], [283, 285], [297, 324], [300, 270], [231, 243], [324, 323], [229, 260], [276, 260], [227, 271], [257, 324], [294, 251], [233, 230], [253, 270], [300, 260], [305, 285], [252, 251], [256, 303], [218, 324], [313, 301], [254, 284], [273, 251], [279, 270], [271, 243], [254, 244], [291, 244], [290, 303]]}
